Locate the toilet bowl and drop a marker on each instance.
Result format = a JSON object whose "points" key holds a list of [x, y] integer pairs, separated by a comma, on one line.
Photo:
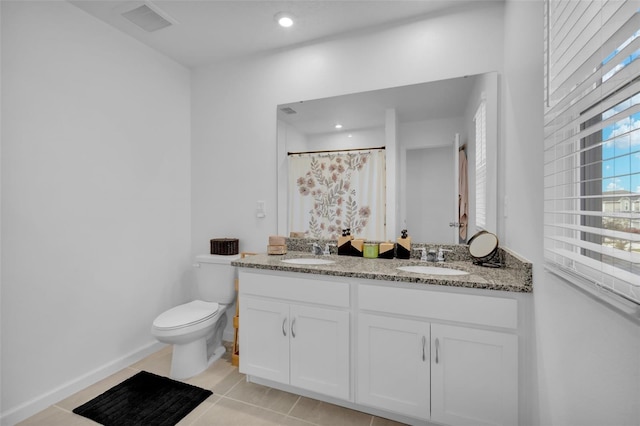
{"points": [[195, 329]]}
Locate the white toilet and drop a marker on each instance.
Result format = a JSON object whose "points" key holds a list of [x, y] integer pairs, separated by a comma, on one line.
{"points": [[195, 328]]}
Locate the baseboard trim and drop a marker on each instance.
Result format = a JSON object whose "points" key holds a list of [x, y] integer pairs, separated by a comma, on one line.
{"points": [[29, 408]]}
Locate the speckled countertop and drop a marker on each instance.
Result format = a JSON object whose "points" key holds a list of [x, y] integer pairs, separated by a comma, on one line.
{"points": [[516, 276]]}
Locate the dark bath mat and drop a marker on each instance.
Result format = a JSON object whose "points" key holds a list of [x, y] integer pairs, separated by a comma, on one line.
{"points": [[144, 400]]}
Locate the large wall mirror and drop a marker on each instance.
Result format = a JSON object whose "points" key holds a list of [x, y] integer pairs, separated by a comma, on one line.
{"points": [[423, 128]]}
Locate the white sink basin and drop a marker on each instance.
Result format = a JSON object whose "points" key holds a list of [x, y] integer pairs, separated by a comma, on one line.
{"points": [[431, 270], [309, 261]]}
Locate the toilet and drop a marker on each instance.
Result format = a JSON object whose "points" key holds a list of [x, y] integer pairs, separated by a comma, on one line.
{"points": [[195, 328]]}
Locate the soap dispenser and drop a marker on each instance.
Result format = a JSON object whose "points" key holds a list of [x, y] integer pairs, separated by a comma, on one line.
{"points": [[403, 248], [357, 247], [344, 243], [386, 250]]}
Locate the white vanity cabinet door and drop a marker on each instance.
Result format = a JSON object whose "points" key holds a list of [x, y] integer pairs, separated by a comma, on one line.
{"points": [[320, 350], [286, 337], [393, 365], [264, 339], [474, 376]]}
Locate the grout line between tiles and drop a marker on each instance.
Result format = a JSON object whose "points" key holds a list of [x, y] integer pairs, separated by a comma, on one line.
{"points": [[302, 420], [233, 387], [268, 409], [212, 404], [293, 406]]}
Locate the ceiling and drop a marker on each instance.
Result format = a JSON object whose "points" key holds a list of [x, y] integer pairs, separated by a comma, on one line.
{"points": [[210, 31], [366, 110]]}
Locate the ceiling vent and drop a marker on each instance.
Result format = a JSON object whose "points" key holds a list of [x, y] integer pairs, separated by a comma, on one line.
{"points": [[288, 110], [147, 18]]}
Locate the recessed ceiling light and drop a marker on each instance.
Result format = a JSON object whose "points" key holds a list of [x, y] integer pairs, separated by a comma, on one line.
{"points": [[284, 19], [338, 126]]}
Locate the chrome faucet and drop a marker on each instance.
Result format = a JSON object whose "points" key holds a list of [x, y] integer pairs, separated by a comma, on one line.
{"points": [[423, 256], [441, 254], [430, 255], [327, 249], [316, 250]]}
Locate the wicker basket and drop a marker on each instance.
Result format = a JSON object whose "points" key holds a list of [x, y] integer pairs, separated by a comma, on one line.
{"points": [[224, 246]]}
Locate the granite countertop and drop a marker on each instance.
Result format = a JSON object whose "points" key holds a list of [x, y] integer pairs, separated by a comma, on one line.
{"points": [[511, 278]]}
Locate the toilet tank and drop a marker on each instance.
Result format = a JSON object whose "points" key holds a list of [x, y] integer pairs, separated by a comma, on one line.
{"points": [[215, 278]]}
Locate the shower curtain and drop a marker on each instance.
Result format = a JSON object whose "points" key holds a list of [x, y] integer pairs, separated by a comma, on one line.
{"points": [[332, 191]]}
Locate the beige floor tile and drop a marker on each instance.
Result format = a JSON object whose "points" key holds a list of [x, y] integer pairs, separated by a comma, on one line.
{"points": [[292, 421], [55, 416], [228, 412], [322, 413], [167, 349], [229, 381], [263, 396], [214, 375], [158, 363], [96, 389], [199, 411], [234, 402]]}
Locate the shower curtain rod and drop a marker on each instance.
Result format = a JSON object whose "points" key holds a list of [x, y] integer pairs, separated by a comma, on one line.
{"points": [[334, 150]]}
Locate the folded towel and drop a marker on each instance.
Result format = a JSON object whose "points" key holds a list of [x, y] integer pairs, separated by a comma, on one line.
{"points": [[463, 195], [276, 240], [276, 249]]}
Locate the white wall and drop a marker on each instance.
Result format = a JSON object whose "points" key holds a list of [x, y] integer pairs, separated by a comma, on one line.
{"points": [[1, 127], [431, 133], [234, 107], [95, 200], [588, 356]]}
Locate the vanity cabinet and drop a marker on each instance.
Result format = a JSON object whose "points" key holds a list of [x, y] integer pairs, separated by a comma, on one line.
{"points": [[474, 376], [295, 331], [411, 364], [394, 361], [413, 353]]}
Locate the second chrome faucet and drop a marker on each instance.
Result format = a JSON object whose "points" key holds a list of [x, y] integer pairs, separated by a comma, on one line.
{"points": [[432, 255]]}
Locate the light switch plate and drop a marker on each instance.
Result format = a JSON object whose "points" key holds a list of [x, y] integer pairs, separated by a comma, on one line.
{"points": [[260, 209]]}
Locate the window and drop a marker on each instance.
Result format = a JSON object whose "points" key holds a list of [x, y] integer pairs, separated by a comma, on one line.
{"points": [[480, 120], [592, 149]]}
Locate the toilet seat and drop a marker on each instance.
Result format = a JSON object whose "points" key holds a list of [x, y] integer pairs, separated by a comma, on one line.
{"points": [[186, 315]]}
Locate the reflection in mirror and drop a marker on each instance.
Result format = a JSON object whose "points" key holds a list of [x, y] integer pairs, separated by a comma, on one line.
{"points": [[427, 131]]}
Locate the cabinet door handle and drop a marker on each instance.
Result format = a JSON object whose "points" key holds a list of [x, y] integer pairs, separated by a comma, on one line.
{"points": [[424, 344], [284, 330], [437, 350], [293, 331]]}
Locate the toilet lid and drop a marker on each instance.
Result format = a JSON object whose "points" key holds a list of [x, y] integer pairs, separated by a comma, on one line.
{"points": [[187, 314]]}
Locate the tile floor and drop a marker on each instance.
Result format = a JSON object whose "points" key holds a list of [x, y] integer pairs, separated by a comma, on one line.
{"points": [[234, 401]]}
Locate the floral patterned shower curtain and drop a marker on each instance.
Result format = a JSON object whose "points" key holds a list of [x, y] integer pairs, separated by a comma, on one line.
{"points": [[331, 191]]}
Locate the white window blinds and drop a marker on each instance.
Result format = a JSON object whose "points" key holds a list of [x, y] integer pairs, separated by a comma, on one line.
{"points": [[480, 120], [592, 146]]}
